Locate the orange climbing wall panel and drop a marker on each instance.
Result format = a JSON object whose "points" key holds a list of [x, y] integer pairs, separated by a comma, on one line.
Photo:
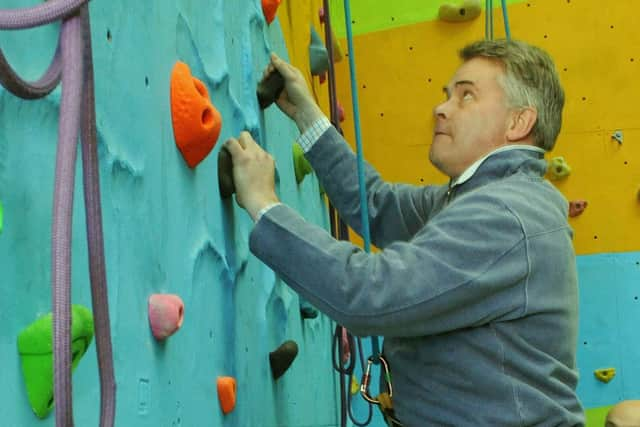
{"points": [[597, 51]]}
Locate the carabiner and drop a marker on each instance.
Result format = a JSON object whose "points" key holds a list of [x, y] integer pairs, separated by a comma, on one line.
{"points": [[366, 377]]}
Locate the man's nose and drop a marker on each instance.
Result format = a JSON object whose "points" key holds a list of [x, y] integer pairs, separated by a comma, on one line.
{"points": [[440, 112]]}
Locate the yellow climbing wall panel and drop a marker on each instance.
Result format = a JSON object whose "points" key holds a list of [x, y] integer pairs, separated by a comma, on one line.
{"points": [[596, 48], [296, 18]]}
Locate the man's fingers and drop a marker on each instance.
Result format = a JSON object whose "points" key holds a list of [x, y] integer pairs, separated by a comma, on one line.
{"points": [[246, 140], [287, 70], [233, 146]]}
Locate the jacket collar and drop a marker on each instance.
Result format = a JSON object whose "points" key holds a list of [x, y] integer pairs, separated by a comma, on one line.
{"points": [[502, 162]]}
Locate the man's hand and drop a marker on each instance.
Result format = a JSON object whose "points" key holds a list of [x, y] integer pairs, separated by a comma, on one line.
{"points": [[295, 100], [253, 174]]}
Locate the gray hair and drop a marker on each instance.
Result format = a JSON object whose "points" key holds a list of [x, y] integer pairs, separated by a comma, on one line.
{"points": [[530, 80]]}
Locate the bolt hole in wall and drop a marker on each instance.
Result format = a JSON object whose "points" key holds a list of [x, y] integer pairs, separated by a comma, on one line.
{"points": [[108, 35], [146, 81]]}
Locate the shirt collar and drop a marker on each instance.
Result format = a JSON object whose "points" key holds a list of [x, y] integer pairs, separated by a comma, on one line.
{"points": [[471, 170]]}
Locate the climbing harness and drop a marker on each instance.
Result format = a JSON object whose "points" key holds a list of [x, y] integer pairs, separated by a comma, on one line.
{"points": [[72, 64], [488, 21]]}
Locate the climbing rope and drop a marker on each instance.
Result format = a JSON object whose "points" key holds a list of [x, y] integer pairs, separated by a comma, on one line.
{"points": [[364, 210], [339, 230], [488, 22], [72, 64]]}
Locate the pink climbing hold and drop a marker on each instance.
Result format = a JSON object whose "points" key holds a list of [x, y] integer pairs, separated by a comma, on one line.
{"points": [[346, 348], [166, 314], [576, 207]]}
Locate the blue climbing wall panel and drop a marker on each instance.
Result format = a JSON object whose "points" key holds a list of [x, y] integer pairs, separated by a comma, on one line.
{"points": [[166, 228], [609, 319]]}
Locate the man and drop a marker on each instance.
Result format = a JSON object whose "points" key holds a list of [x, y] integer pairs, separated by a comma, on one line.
{"points": [[474, 289]]}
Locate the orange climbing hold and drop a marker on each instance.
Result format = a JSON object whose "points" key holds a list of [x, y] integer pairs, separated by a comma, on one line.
{"points": [[227, 393], [196, 122], [269, 8]]}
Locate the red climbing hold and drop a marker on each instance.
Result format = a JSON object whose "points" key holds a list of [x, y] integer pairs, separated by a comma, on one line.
{"points": [[340, 112], [269, 8], [196, 122], [576, 207]]}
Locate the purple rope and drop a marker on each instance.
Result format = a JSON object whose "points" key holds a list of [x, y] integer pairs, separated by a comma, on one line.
{"points": [[333, 97], [38, 89], [45, 13], [71, 50], [77, 98], [93, 212]]}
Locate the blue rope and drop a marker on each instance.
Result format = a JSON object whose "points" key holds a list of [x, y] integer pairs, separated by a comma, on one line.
{"points": [[364, 211], [505, 16]]}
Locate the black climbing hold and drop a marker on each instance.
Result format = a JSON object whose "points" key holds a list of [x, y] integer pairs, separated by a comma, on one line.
{"points": [[269, 89], [225, 174], [308, 312], [282, 357]]}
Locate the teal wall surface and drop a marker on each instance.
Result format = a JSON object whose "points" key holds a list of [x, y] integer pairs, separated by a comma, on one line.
{"points": [[166, 227], [609, 319]]}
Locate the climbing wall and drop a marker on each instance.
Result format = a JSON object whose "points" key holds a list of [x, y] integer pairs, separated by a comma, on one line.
{"points": [[405, 55], [166, 228]]}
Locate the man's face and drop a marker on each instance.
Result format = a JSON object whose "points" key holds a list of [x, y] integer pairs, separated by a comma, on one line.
{"points": [[473, 120]]}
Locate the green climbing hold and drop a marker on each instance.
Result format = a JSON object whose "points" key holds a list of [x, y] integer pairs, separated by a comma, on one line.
{"points": [[465, 11], [559, 168], [301, 165], [35, 345]]}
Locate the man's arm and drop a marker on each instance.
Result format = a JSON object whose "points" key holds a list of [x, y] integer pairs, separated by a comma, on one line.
{"points": [[462, 269], [396, 211]]}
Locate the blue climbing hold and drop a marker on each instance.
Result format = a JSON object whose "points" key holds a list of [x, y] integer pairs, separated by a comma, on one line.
{"points": [[318, 55]]}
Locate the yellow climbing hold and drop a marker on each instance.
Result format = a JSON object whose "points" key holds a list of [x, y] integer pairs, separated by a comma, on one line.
{"points": [[605, 374], [464, 11], [355, 387]]}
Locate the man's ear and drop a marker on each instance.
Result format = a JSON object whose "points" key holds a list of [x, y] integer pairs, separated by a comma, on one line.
{"points": [[521, 124]]}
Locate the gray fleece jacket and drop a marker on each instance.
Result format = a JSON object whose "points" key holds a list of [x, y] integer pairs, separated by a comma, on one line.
{"points": [[474, 289]]}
